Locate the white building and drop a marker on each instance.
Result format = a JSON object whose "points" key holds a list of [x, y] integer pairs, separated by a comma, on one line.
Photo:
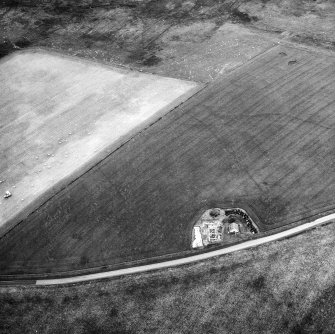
{"points": [[233, 228], [197, 238]]}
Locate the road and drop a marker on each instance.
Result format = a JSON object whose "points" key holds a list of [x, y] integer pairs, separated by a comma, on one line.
{"points": [[187, 260]]}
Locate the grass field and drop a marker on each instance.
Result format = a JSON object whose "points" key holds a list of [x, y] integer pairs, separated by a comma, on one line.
{"points": [[262, 136], [284, 287], [167, 37], [60, 115]]}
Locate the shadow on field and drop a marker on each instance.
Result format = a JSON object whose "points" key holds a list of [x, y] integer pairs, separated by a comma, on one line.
{"points": [[7, 47]]}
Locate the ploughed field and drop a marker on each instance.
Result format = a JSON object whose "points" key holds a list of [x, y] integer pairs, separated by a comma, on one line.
{"points": [[261, 138]]}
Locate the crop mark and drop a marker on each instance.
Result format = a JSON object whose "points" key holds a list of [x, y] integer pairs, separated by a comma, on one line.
{"points": [[292, 62]]}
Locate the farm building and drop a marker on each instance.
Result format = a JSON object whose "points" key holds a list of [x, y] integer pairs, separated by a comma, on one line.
{"points": [[220, 226], [233, 228], [197, 238], [213, 230]]}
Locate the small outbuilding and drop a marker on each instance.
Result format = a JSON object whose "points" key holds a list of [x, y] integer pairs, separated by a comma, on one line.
{"points": [[7, 194], [233, 228]]}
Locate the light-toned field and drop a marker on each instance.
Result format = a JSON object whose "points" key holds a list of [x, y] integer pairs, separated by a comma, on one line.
{"points": [[58, 115]]}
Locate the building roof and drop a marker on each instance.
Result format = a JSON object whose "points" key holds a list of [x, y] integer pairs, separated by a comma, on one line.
{"points": [[233, 228]]}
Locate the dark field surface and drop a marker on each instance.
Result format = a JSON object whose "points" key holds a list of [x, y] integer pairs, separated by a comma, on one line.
{"points": [[262, 137]]}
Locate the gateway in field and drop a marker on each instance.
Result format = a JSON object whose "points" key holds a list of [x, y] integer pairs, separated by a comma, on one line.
{"points": [[61, 115]]}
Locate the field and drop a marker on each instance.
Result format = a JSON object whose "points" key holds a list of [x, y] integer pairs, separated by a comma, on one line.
{"points": [[167, 37], [286, 287], [261, 137], [59, 116]]}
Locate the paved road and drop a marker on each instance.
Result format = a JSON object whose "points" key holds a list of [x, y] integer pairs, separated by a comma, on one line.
{"points": [[178, 262]]}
